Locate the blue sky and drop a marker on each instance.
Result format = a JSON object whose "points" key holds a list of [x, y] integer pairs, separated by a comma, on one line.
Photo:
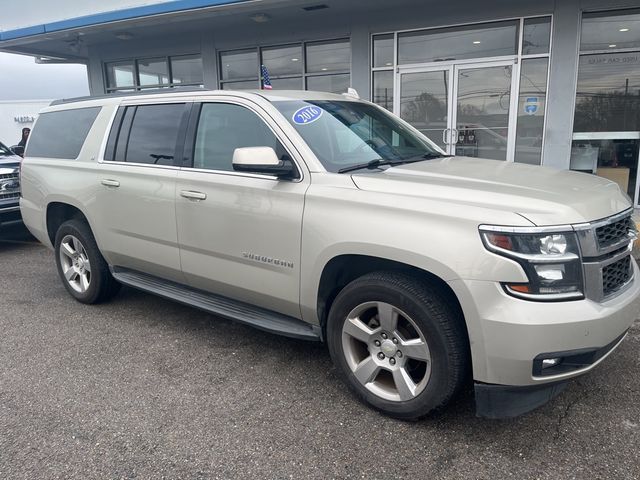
{"points": [[23, 79]]}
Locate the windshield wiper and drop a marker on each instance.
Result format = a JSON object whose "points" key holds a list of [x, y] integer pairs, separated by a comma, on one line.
{"points": [[378, 162]]}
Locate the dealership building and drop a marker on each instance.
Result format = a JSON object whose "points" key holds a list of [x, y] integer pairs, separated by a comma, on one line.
{"points": [[551, 82]]}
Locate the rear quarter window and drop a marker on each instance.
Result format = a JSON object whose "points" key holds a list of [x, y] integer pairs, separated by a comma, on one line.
{"points": [[61, 134]]}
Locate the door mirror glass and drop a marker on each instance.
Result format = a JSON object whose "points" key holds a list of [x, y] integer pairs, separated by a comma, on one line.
{"points": [[262, 160]]}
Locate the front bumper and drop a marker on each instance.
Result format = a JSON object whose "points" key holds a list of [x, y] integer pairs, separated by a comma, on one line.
{"points": [[9, 214], [507, 334]]}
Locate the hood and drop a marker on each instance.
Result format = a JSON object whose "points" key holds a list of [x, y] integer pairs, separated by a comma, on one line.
{"points": [[9, 161], [545, 196]]}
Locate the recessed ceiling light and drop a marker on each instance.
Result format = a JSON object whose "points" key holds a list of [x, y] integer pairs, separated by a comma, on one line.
{"points": [[624, 29], [124, 36], [388, 64], [260, 18], [295, 59], [315, 7], [323, 69], [477, 42], [613, 45]]}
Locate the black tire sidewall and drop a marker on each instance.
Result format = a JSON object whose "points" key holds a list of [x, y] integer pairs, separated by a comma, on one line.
{"points": [[438, 389]]}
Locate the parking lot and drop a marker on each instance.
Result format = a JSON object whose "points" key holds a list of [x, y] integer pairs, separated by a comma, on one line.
{"points": [[145, 388]]}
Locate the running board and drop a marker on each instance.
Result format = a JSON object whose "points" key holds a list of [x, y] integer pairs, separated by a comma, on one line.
{"points": [[218, 305]]}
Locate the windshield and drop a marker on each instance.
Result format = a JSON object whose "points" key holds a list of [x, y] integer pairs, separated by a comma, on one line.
{"points": [[4, 151], [347, 133]]}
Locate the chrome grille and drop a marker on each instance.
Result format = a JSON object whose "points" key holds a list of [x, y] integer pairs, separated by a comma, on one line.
{"points": [[616, 275], [605, 247], [614, 233], [4, 196]]}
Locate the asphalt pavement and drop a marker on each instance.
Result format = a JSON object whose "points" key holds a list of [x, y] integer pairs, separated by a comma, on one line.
{"points": [[145, 388]]}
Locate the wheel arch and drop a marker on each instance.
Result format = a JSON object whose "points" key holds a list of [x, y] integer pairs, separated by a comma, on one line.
{"points": [[58, 212], [340, 270]]}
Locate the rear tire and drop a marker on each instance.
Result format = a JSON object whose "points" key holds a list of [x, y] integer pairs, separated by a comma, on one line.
{"points": [[82, 268], [398, 343]]}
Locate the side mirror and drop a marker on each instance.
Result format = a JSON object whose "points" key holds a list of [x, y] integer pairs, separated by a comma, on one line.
{"points": [[18, 150], [262, 160]]}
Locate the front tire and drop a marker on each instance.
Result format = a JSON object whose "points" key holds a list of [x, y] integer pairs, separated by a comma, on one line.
{"points": [[398, 343], [82, 268]]}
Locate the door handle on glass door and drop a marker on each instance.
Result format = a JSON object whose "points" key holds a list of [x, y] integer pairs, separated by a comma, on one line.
{"points": [[110, 183], [191, 195], [444, 136]]}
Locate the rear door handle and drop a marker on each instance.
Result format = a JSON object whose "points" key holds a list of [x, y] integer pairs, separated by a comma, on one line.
{"points": [[191, 195], [110, 183]]}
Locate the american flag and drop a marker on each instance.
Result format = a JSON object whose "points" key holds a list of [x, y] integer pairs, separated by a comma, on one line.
{"points": [[266, 81]]}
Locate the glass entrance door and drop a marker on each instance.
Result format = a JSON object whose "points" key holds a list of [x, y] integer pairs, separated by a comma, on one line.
{"points": [[466, 109]]}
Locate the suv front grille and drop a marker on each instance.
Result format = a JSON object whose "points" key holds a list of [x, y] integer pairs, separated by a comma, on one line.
{"points": [[616, 275], [605, 247], [614, 233], [9, 190]]}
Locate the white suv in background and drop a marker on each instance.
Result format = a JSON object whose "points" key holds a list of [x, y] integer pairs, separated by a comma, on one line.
{"points": [[324, 217]]}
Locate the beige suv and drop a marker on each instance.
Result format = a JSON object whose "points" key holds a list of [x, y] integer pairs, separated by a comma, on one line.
{"points": [[324, 217]]}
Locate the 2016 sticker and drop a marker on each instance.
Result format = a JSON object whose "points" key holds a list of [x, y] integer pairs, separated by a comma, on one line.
{"points": [[307, 115]]}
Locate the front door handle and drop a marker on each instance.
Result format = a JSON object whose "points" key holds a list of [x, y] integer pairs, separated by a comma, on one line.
{"points": [[110, 183], [191, 195]]}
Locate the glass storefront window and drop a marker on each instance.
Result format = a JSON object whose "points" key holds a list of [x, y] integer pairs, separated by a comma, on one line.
{"points": [[383, 50], [153, 71], [608, 94], [329, 56], [239, 64], [285, 60], [246, 85], [446, 44], [531, 110], [120, 74], [147, 73], [329, 83], [614, 159], [187, 69], [536, 35], [383, 89], [328, 66], [294, 83], [610, 30]]}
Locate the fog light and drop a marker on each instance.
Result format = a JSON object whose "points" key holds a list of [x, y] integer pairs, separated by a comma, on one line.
{"points": [[550, 362], [550, 273]]}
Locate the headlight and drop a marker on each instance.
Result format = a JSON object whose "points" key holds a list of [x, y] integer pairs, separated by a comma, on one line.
{"points": [[551, 260]]}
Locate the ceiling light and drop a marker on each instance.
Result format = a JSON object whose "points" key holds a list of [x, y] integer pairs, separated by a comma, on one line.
{"points": [[315, 7], [625, 29], [477, 42], [613, 45], [388, 64], [124, 36], [323, 69], [260, 18], [295, 59]]}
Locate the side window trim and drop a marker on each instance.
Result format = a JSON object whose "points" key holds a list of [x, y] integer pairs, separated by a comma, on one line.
{"points": [[192, 133], [116, 125]]}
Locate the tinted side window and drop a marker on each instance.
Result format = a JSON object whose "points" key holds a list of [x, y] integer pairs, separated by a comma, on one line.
{"points": [[61, 134], [153, 135], [222, 128]]}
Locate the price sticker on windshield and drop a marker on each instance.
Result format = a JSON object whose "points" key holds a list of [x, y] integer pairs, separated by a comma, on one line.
{"points": [[307, 115]]}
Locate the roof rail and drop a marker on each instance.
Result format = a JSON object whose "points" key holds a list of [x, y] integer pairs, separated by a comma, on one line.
{"points": [[155, 91]]}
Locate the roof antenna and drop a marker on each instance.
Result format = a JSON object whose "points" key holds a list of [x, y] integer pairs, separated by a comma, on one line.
{"points": [[352, 92]]}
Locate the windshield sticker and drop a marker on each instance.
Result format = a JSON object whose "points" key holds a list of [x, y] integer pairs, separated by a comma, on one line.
{"points": [[307, 115]]}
